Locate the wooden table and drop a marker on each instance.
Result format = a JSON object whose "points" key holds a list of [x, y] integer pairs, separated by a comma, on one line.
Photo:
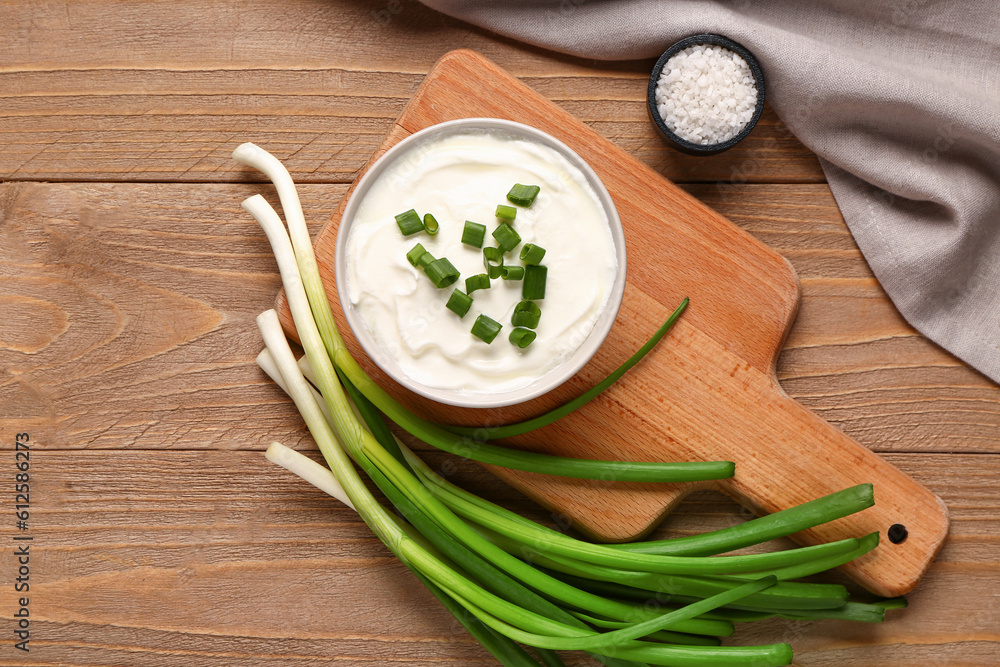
{"points": [[130, 280]]}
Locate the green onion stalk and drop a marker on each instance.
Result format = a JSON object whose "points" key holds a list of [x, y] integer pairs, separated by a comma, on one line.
{"points": [[511, 581]]}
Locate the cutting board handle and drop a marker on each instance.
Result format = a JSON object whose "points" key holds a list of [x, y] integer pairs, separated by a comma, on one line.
{"points": [[911, 521]]}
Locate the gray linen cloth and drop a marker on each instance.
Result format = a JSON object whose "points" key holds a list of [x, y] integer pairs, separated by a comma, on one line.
{"points": [[899, 98]]}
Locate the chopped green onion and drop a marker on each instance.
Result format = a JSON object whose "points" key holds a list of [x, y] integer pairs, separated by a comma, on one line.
{"points": [[409, 222], [486, 328], [532, 254], [521, 337], [534, 282], [430, 224], [526, 314], [424, 260], [441, 272], [473, 234], [505, 212], [459, 302], [491, 254], [523, 195], [493, 261], [414, 255], [512, 272], [506, 237], [478, 281]]}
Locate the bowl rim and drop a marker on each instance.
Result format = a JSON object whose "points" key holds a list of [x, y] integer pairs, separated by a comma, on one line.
{"points": [[678, 142], [555, 377]]}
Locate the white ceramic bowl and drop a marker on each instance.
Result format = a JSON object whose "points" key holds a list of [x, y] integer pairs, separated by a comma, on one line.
{"points": [[573, 362]]}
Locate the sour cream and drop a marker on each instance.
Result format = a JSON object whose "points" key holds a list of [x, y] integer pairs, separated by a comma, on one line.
{"points": [[464, 176]]}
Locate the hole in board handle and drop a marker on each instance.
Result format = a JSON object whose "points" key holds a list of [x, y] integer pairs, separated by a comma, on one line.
{"points": [[897, 533]]}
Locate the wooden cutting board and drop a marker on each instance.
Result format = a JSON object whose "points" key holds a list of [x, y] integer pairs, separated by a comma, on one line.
{"points": [[707, 392]]}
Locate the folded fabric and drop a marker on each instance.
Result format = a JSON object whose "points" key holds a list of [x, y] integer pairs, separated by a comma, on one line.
{"points": [[899, 98]]}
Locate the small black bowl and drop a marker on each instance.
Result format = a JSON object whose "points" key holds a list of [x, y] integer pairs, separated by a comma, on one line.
{"points": [[684, 145]]}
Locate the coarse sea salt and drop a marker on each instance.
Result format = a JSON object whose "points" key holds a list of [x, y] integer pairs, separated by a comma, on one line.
{"points": [[706, 94]]}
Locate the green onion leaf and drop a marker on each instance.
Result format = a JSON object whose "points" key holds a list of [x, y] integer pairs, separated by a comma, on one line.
{"points": [[409, 222], [532, 254], [473, 234], [414, 255], [430, 224], [526, 314], [512, 272], [441, 272], [459, 302], [486, 328], [772, 526], [507, 213], [506, 237], [521, 337], [523, 195], [478, 281], [534, 282]]}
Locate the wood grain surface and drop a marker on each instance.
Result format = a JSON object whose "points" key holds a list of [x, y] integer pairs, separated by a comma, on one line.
{"points": [[129, 280]]}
